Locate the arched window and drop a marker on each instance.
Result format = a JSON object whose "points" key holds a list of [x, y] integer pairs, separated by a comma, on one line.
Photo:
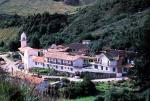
{"points": [[23, 39]]}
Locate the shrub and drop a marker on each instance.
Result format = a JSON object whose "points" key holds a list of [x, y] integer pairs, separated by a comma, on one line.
{"points": [[84, 88]]}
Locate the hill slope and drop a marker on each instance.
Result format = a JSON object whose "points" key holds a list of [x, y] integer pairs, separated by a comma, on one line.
{"points": [[25, 7], [29, 7], [108, 23], [113, 23]]}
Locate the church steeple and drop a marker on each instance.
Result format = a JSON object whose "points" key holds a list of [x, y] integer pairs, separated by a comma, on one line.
{"points": [[23, 40]]}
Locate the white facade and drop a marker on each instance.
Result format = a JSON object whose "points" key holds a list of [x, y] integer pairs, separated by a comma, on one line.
{"points": [[60, 65], [23, 40], [104, 65], [64, 62]]}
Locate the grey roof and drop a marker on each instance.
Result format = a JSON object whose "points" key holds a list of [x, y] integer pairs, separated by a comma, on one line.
{"points": [[111, 54], [77, 46]]}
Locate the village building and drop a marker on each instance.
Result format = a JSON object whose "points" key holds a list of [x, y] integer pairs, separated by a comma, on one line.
{"points": [[78, 48], [113, 61], [73, 59]]}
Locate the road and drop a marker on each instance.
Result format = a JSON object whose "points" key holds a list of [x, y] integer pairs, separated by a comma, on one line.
{"points": [[78, 80], [10, 65]]}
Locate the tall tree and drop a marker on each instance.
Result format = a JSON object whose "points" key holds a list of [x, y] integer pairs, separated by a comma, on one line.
{"points": [[35, 43], [143, 62]]}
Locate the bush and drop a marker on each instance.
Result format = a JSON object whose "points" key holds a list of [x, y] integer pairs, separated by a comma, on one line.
{"points": [[84, 88], [115, 94]]}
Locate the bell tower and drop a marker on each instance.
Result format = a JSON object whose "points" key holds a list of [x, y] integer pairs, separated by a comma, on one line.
{"points": [[23, 40]]}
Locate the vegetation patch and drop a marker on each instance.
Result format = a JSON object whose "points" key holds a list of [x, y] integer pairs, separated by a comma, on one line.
{"points": [[25, 7]]}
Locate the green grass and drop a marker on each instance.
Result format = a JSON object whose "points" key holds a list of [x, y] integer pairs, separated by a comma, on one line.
{"points": [[41, 70], [89, 98], [103, 86], [28, 7], [8, 33]]}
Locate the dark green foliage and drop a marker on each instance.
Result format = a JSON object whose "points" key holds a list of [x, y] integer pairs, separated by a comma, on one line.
{"points": [[142, 68], [84, 88], [10, 21], [107, 23], [99, 98], [40, 29], [134, 5], [1, 43], [43, 26], [123, 95], [8, 90], [13, 44], [35, 42]]}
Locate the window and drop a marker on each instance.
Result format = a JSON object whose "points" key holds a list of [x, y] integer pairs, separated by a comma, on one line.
{"points": [[125, 69], [96, 66], [101, 67], [71, 69], [61, 67], [35, 63], [106, 68], [114, 69], [47, 65], [108, 63], [100, 61], [71, 63], [43, 64], [24, 39]]}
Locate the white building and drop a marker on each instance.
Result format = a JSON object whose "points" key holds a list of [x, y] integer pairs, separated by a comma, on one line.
{"points": [[113, 61], [61, 60]]}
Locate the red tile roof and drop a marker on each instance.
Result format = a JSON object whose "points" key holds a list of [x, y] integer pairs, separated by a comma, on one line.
{"points": [[62, 55], [22, 49], [38, 59]]}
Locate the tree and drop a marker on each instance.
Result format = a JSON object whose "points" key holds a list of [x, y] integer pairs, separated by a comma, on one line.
{"points": [[35, 43], [13, 44], [2, 44], [143, 63], [116, 94]]}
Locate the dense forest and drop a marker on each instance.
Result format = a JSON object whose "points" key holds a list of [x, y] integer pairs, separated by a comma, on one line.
{"points": [[108, 23]]}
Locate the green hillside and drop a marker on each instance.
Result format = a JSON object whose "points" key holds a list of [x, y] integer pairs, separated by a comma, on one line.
{"points": [[114, 23], [29, 7]]}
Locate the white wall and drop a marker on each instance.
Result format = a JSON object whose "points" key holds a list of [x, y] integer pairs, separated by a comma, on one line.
{"points": [[34, 52], [103, 60]]}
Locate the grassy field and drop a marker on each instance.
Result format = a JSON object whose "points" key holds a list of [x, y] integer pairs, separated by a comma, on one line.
{"points": [[89, 98], [103, 86], [8, 33], [28, 7]]}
